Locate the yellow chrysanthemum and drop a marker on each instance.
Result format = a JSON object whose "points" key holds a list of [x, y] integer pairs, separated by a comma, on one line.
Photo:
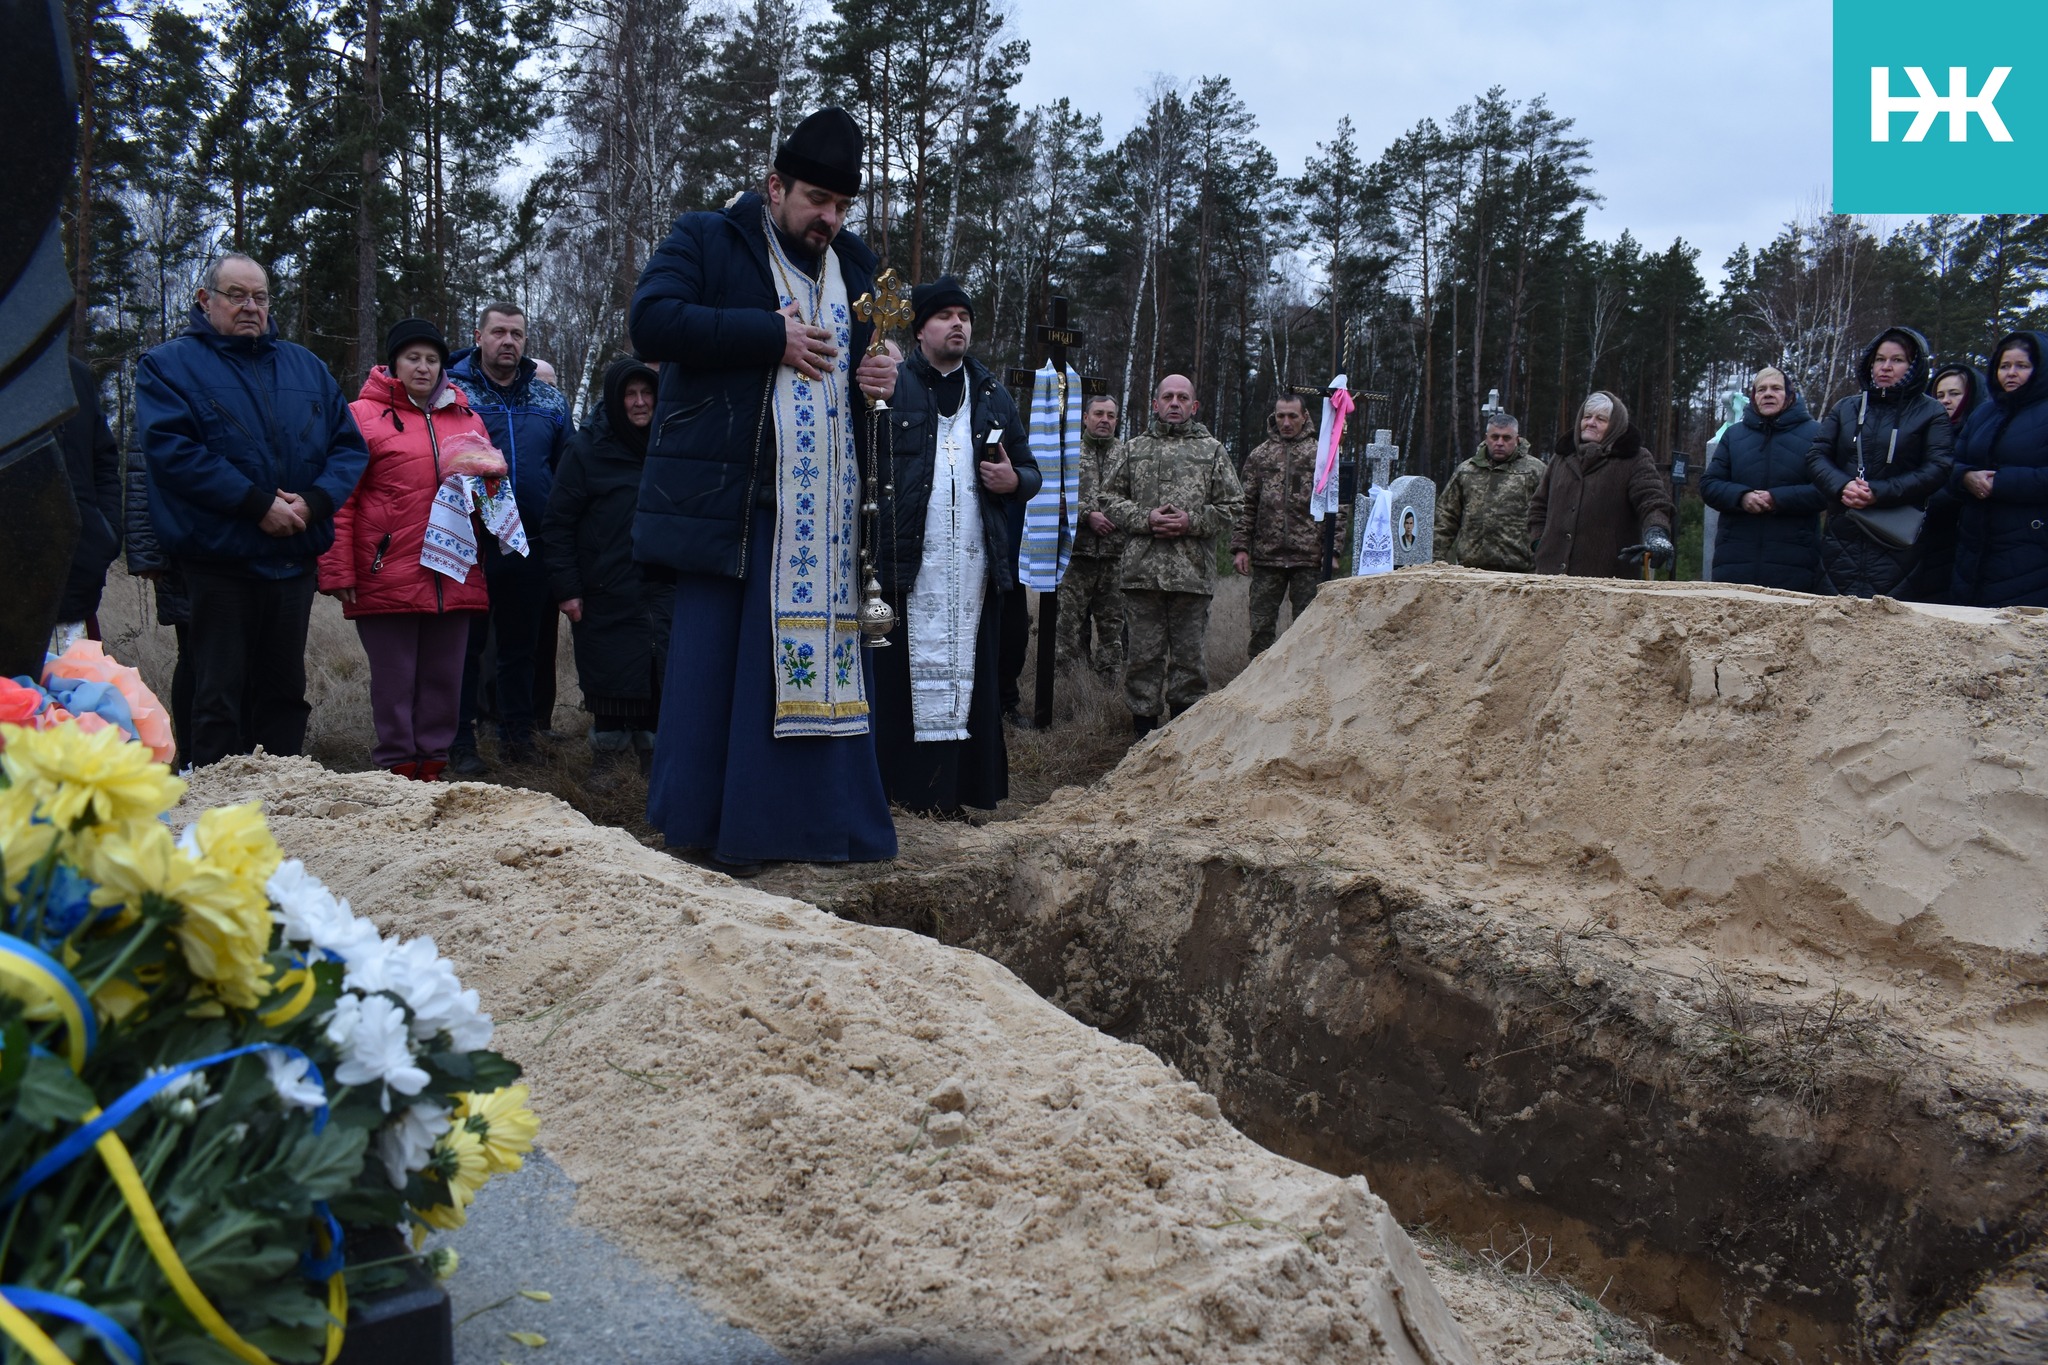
{"points": [[236, 840], [69, 776], [503, 1122], [458, 1159], [118, 999], [224, 931], [23, 843]]}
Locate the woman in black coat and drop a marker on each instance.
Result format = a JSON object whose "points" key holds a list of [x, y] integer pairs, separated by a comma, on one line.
{"points": [[619, 619], [1960, 390], [1757, 480], [2001, 480], [1886, 447]]}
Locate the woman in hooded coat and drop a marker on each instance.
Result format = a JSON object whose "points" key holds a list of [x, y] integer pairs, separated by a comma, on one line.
{"points": [[414, 620], [1887, 446], [2001, 480], [1770, 510], [619, 619], [1959, 389], [1602, 500]]}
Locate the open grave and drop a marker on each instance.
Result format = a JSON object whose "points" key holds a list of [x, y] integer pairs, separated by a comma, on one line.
{"points": [[1699, 934], [1687, 940]]}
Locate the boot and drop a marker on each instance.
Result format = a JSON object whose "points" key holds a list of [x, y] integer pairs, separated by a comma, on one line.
{"points": [[430, 769], [643, 749], [610, 751], [1142, 726], [404, 769]]}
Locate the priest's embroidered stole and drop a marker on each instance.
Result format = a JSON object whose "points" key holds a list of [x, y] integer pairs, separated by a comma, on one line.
{"points": [[820, 686]]}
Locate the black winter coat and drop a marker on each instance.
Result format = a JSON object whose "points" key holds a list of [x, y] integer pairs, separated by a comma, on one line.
{"points": [[705, 308], [913, 453], [1933, 578], [146, 554], [93, 461], [2002, 540], [1858, 434], [587, 547], [1779, 548]]}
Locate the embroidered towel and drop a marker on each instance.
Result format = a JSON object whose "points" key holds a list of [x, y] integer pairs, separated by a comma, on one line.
{"points": [[1049, 516], [1376, 541], [450, 545]]}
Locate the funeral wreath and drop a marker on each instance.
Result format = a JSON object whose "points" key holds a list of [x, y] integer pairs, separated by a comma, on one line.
{"points": [[209, 1066]]}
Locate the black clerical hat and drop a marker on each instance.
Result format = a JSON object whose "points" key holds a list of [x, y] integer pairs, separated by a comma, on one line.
{"points": [[927, 299], [825, 151]]}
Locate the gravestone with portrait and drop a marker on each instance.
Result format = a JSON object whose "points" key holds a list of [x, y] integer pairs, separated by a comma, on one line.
{"points": [[1411, 507]]}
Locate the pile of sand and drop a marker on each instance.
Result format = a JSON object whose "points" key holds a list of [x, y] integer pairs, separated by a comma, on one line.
{"points": [[847, 1135], [1708, 743], [1850, 791]]}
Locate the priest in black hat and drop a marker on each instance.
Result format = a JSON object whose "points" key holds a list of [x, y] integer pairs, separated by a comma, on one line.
{"points": [[961, 466], [751, 499]]}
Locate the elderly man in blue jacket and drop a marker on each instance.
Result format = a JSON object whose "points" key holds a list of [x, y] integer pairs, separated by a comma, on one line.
{"points": [[529, 421], [751, 499], [249, 448]]}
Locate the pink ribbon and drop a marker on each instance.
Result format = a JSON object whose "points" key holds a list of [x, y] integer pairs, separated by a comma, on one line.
{"points": [[1341, 407]]}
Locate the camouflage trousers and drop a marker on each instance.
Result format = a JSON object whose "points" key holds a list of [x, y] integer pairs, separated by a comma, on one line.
{"points": [[1269, 586], [1092, 590], [1168, 664]]}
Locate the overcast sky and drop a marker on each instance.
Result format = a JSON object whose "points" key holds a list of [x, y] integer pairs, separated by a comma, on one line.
{"points": [[1708, 122]]}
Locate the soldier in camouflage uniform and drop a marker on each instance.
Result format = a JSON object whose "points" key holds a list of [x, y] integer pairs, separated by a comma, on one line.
{"points": [[1091, 587], [1482, 516], [1276, 541], [1173, 490]]}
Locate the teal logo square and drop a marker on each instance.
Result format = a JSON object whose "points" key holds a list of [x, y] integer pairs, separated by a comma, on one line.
{"points": [[1933, 118]]}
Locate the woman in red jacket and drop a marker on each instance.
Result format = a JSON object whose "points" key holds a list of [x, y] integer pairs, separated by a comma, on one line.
{"points": [[414, 619]]}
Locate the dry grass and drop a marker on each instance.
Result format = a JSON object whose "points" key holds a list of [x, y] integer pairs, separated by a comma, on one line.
{"points": [[1091, 725]]}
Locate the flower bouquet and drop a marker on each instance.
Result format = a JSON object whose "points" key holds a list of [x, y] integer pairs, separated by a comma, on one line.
{"points": [[208, 1068]]}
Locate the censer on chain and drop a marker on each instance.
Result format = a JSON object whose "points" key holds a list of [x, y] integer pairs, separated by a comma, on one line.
{"points": [[888, 306]]}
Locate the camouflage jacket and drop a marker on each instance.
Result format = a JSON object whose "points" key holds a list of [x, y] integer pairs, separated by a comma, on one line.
{"points": [[1181, 466], [1482, 515], [1274, 528], [1096, 457]]}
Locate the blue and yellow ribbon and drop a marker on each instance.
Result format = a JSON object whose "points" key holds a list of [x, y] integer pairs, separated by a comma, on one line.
{"points": [[45, 978], [112, 1334]]}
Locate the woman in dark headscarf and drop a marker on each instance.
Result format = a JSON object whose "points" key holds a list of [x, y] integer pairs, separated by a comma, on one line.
{"points": [[1603, 504], [619, 619], [1885, 448], [2001, 480], [1959, 389]]}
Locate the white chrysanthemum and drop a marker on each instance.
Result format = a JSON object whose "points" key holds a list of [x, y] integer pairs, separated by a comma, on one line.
{"points": [[417, 974], [288, 1077], [407, 1142], [311, 914], [375, 1047], [469, 1028]]}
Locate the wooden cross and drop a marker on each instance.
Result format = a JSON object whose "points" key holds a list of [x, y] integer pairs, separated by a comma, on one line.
{"points": [[1059, 335]]}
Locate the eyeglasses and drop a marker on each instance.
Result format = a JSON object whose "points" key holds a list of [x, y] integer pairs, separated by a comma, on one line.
{"points": [[238, 299]]}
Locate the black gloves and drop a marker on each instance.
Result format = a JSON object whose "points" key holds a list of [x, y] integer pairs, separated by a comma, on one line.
{"points": [[1656, 544]]}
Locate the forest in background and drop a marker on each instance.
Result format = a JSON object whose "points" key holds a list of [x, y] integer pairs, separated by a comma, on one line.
{"points": [[364, 150]]}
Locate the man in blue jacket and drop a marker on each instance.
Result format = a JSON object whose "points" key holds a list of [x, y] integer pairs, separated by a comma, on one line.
{"points": [[249, 448], [751, 500], [528, 420]]}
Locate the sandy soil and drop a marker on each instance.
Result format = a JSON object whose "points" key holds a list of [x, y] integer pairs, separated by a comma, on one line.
{"points": [[851, 1136], [1700, 927]]}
